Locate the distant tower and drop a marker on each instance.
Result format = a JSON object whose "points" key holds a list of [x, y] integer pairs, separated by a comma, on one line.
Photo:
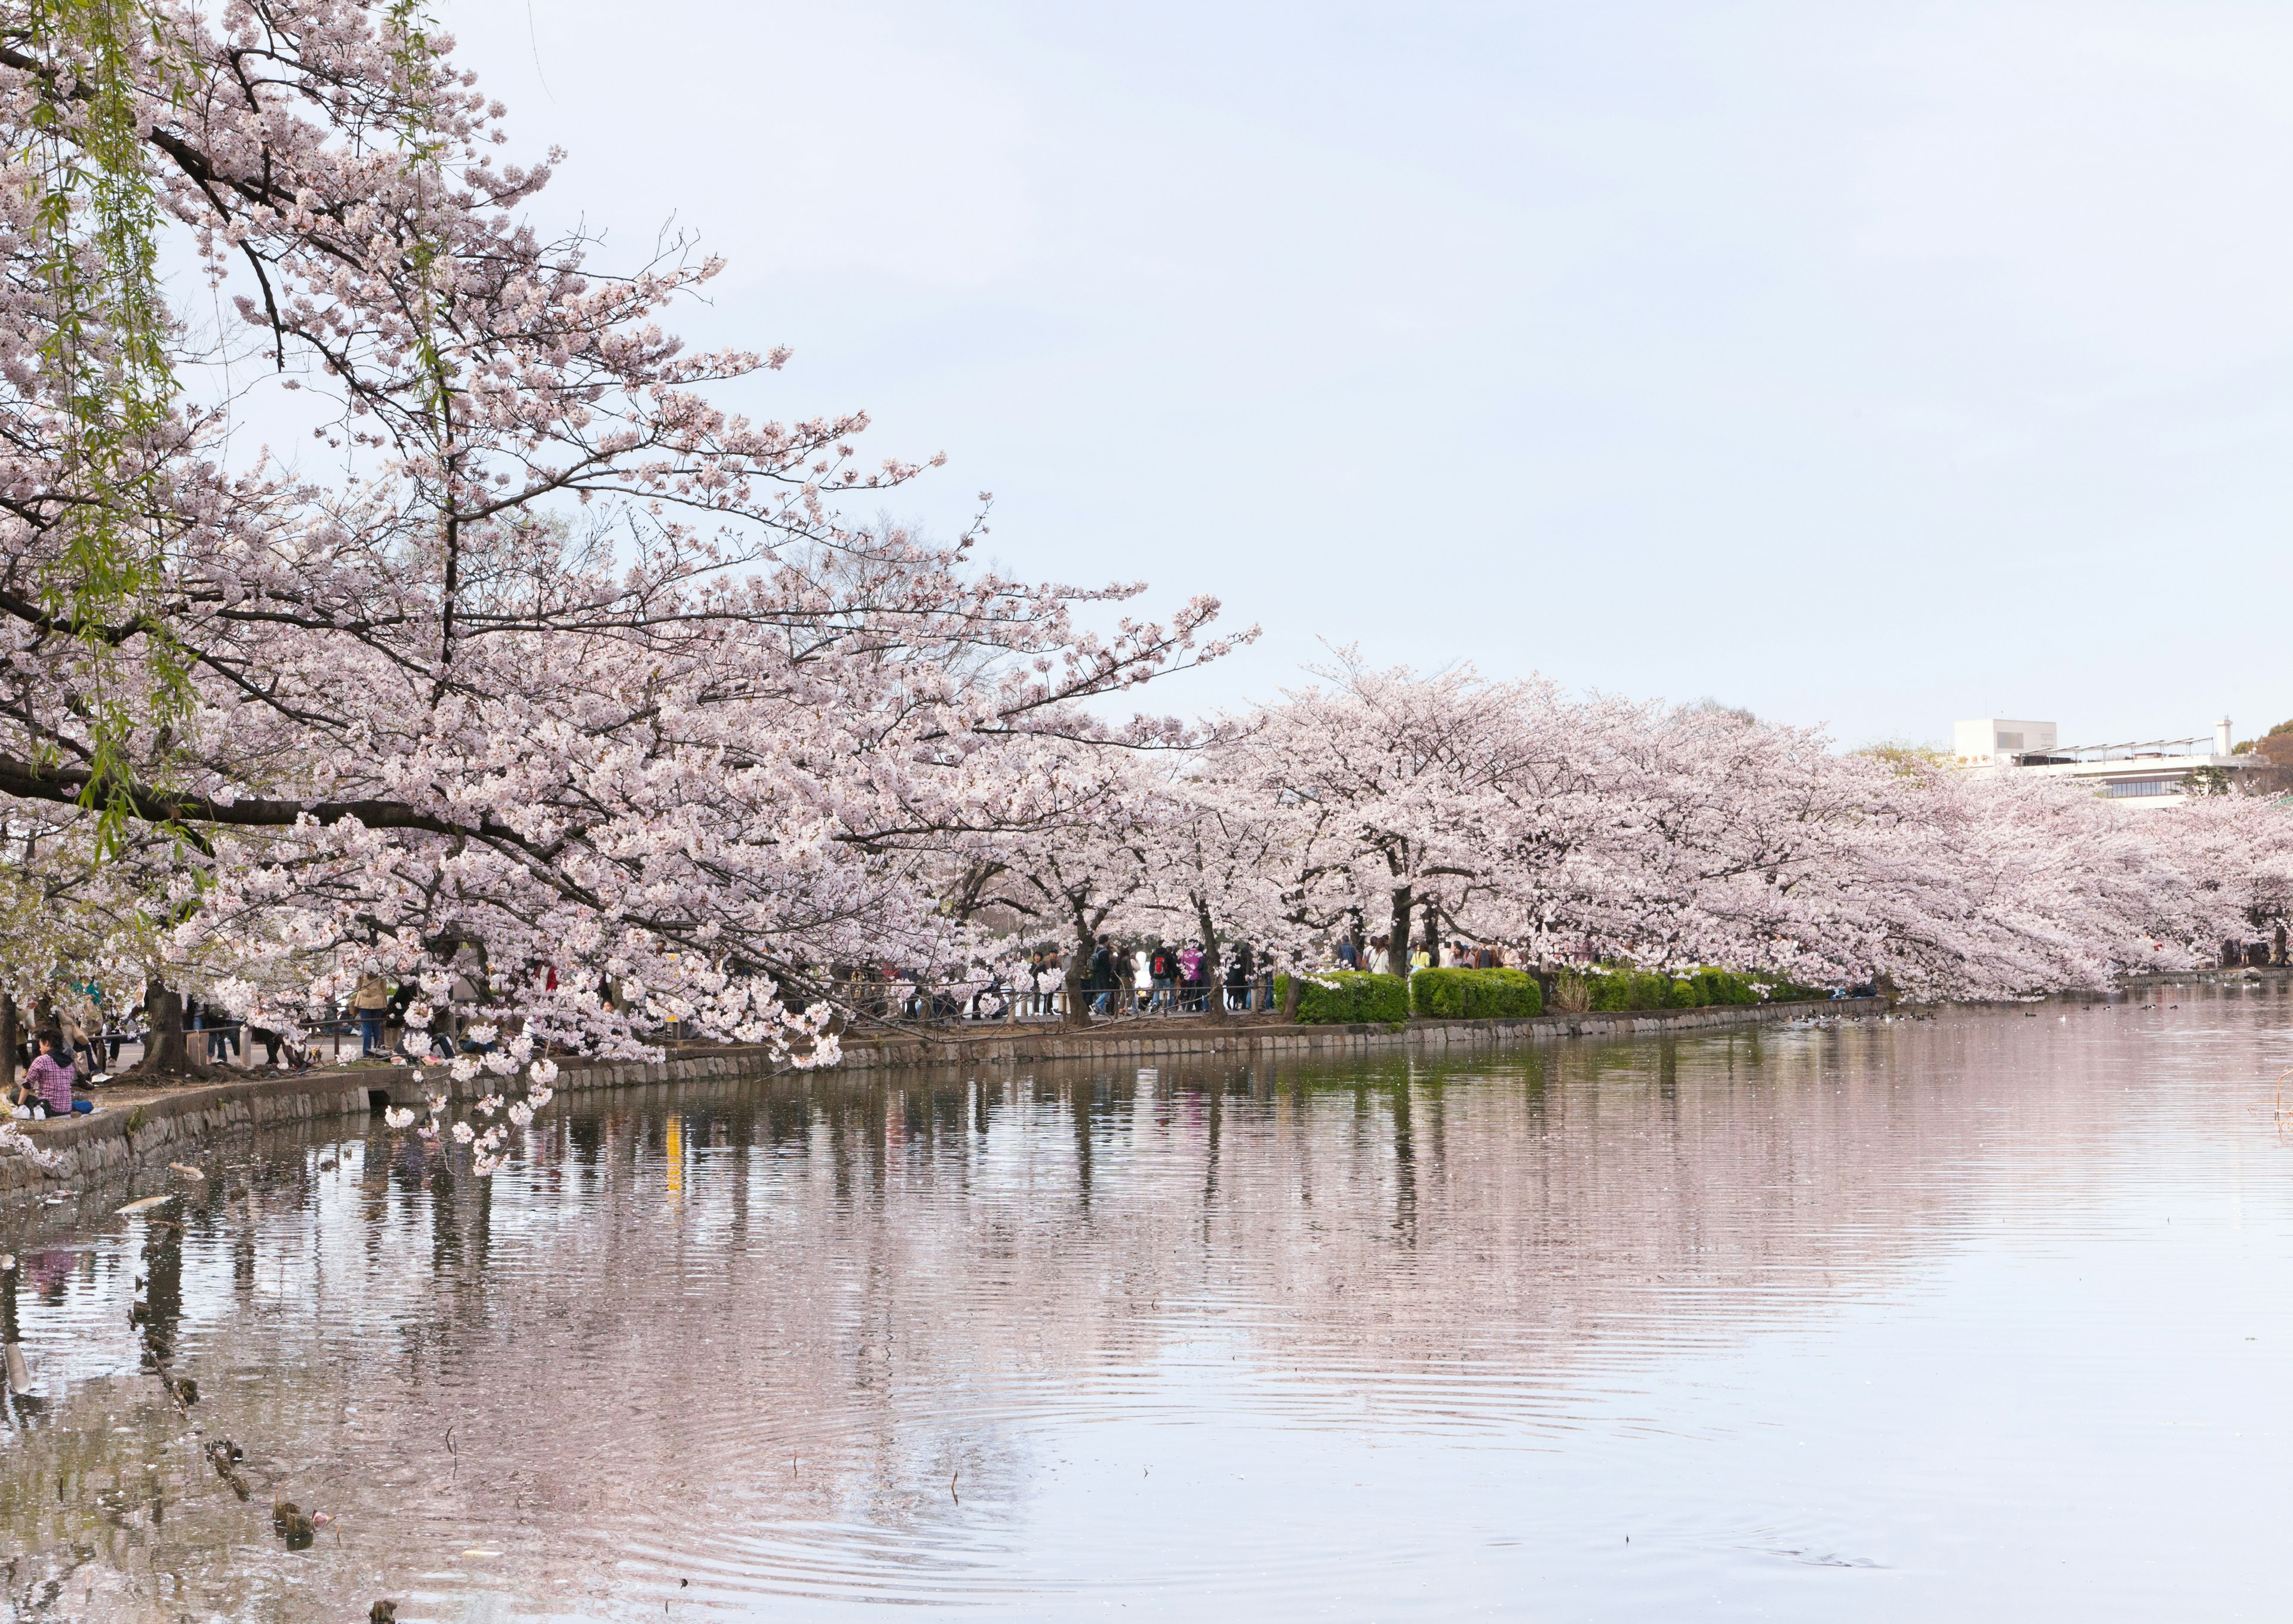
{"points": [[2221, 737]]}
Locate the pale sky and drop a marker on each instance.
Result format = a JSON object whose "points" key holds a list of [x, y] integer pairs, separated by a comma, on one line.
{"points": [[1870, 365]]}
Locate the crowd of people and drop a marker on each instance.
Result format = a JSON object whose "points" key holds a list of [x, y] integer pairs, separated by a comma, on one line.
{"points": [[1128, 976], [1137, 977], [80, 1035], [1154, 977]]}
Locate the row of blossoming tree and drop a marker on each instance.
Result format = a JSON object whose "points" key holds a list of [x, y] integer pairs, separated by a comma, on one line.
{"points": [[544, 667], [1571, 830]]}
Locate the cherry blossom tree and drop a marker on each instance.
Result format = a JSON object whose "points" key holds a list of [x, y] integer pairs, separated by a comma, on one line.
{"points": [[1387, 786], [1082, 873], [568, 673]]}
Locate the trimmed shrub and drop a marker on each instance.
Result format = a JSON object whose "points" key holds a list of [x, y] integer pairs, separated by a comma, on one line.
{"points": [[1355, 996], [1719, 986], [1474, 995], [1628, 988]]}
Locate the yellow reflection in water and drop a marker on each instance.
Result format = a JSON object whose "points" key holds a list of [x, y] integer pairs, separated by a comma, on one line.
{"points": [[675, 1157]]}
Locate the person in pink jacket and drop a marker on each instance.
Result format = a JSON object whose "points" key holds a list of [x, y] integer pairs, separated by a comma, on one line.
{"points": [[47, 1080]]}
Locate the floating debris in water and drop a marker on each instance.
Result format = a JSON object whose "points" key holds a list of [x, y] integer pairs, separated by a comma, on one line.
{"points": [[186, 1170], [147, 1202], [292, 1522], [225, 1455]]}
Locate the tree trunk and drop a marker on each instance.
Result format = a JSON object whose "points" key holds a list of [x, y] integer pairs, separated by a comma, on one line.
{"points": [[7, 1040], [1077, 1013], [165, 1051], [1404, 908], [1213, 980]]}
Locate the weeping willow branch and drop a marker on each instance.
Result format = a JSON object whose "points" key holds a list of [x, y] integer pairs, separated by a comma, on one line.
{"points": [[415, 66], [95, 229]]}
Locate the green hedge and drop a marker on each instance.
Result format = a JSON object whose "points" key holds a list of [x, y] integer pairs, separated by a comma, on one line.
{"points": [[1724, 987], [1474, 995], [1355, 996], [1471, 995], [1628, 988]]}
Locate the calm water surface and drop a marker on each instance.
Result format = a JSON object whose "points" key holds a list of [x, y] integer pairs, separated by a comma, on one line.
{"points": [[1980, 1317]]}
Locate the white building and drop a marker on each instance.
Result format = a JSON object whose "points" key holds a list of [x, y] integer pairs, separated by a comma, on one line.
{"points": [[1994, 742], [2144, 772]]}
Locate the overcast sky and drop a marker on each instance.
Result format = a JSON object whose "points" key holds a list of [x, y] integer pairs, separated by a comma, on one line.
{"points": [[1871, 366]]}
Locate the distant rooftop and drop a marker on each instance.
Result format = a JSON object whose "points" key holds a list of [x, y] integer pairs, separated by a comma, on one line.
{"points": [[2139, 749]]}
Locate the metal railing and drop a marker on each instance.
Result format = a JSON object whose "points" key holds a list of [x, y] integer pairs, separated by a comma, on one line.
{"points": [[902, 1003], [2144, 749], [996, 1003], [235, 1042]]}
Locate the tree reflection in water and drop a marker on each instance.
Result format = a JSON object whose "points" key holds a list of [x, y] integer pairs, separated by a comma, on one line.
{"points": [[753, 1337]]}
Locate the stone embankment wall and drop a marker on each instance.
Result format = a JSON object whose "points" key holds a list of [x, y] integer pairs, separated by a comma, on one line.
{"points": [[1153, 1040], [156, 1126]]}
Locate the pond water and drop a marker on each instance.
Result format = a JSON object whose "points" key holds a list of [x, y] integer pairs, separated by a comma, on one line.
{"points": [[1983, 1316]]}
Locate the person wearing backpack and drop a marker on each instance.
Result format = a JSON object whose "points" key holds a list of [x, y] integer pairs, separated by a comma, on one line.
{"points": [[1165, 967]]}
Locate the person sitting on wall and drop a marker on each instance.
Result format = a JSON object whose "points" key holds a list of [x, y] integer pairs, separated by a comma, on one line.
{"points": [[46, 1090]]}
